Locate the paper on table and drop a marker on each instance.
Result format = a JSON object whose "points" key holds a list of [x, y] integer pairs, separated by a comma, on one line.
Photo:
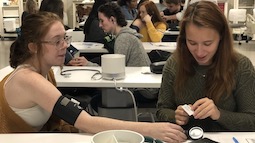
{"points": [[163, 44], [249, 140]]}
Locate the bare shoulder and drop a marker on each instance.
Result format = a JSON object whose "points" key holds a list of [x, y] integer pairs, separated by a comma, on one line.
{"points": [[28, 77]]}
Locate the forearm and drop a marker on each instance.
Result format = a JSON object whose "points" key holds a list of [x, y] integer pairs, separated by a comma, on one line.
{"points": [[155, 33], [95, 124]]}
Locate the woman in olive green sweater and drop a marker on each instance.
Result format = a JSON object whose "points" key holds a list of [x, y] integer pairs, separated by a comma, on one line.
{"points": [[208, 75]]}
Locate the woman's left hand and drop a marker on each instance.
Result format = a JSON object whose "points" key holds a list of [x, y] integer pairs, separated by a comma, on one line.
{"points": [[147, 18], [204, 108], [79, 61]]}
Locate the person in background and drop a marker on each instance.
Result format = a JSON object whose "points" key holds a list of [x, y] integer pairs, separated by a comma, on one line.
{"points": [[160, 5], [92, 31], [54, 6], [127, 42], [31, 7], [28, 105], [178, 16], [149, 23], [207, 74], [57, 7], [128, 8], [173, 7]]}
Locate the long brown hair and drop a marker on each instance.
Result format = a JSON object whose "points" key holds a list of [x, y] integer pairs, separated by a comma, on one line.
{"points": [[220, 80], [152, 10]]}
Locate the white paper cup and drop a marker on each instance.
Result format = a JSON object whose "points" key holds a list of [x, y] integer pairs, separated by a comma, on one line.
{"points": [[117, 136]]}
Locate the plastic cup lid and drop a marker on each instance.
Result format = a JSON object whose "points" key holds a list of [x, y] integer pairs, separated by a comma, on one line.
{"points": [[196, 133]]}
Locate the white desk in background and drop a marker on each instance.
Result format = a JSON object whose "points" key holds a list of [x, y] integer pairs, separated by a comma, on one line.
{"points": [[169, 32], [139, 77], [166, 46], [92, 47], [136, 77], [89, 47], [222, 137]]}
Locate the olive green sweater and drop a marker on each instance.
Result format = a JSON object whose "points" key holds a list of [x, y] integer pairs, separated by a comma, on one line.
{"points": [[237, 112]]}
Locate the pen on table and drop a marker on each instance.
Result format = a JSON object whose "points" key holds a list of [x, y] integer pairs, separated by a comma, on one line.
{"points": [[235, 140]]}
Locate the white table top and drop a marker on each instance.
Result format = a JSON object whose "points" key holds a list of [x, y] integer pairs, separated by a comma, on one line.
{"points": [[92, 47], [166, 46], [89, 47], [135, 77], [223, 137], [139, 77], [168, 32]]}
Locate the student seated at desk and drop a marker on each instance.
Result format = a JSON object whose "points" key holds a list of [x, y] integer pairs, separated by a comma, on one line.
{"points": [[207, 74], [179, 15], [173, 7], [93, 33], [149, 22], [127, 42], [28, 106]]}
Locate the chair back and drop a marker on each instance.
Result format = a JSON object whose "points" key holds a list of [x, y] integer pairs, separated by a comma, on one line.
{"points": [[237, 15]]}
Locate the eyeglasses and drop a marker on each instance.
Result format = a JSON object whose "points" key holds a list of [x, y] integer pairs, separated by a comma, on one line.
{"points": [[59, 44]]}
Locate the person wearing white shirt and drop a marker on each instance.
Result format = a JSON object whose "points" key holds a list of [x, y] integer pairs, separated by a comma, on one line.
{"points": [[178, 16]]}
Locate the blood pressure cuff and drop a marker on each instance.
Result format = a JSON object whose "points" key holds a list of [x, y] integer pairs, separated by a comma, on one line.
{"points": [[67, 110]]}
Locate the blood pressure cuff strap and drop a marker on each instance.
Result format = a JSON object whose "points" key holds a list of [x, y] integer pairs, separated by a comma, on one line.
{"points": [[67, 110]]}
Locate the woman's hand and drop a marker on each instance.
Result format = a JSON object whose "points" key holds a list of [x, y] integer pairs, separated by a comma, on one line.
{"points": [[204, 108], [147, 18], [181, 117], [79, 61], [168, 132]]}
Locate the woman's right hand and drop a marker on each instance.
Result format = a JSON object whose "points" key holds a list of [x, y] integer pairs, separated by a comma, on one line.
{"points": [[181, 117], [168, 132]]}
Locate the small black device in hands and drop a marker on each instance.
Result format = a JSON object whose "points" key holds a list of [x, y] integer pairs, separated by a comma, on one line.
{"points": [[72, 50]]}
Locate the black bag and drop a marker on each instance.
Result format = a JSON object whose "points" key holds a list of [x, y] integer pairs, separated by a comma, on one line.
{"points": [[159, 55]]}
